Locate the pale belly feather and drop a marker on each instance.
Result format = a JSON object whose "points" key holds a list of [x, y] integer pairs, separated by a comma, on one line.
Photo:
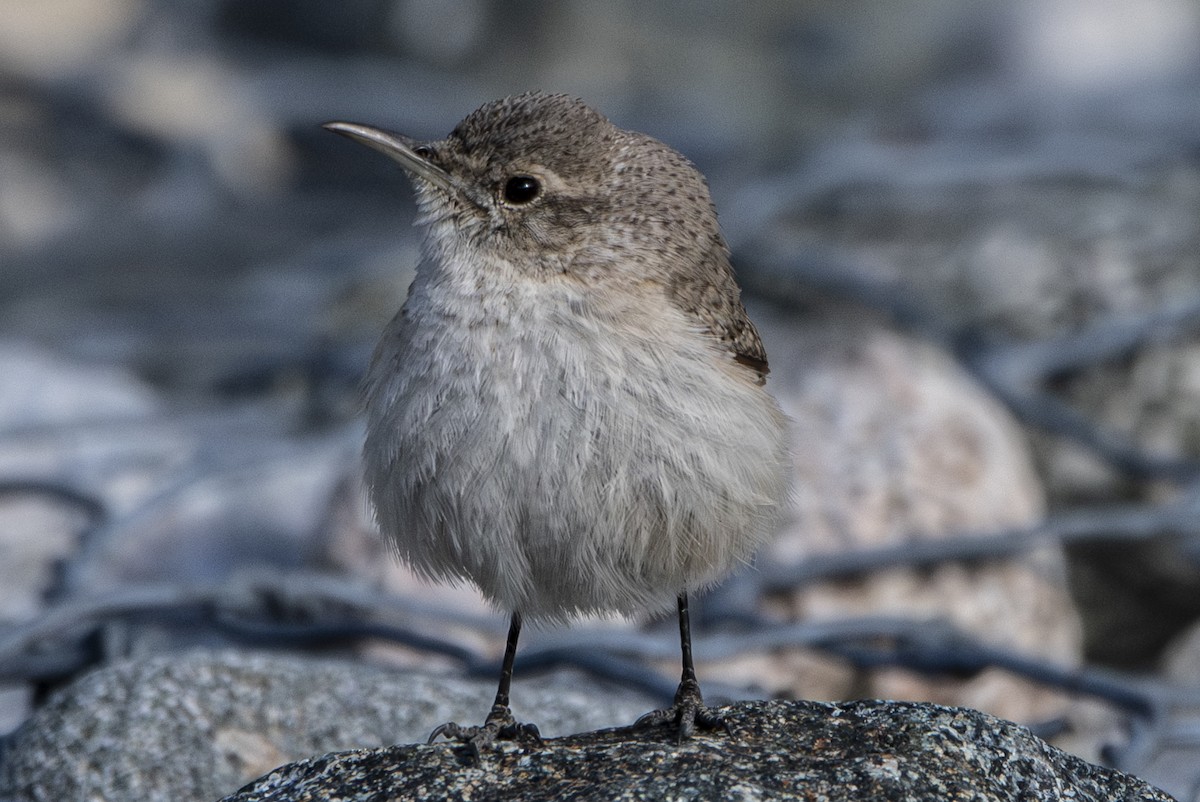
{"points": [[565, 466]]}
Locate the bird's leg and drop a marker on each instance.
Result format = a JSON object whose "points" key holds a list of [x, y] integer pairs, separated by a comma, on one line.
{"points": [[499, 724], [688, 709]]}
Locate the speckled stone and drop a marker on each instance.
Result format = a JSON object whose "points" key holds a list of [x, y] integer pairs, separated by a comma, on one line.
{"points": [[868, 750], [894, 443], [191, 728]]}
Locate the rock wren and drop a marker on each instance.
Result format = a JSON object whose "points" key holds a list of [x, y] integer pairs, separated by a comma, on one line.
{"points": [[568, 411]]}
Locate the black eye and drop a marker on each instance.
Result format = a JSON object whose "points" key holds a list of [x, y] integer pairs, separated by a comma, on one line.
{"points": [[521, 189], [424, 151]]}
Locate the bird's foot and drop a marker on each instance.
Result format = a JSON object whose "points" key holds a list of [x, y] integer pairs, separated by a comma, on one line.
{"points": [[687, 712], [498, 726]]}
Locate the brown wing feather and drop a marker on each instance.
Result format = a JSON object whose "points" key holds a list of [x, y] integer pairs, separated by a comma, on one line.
{"points": [[711, 295]]}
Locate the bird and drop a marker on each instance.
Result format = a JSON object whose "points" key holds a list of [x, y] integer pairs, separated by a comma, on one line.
{"points": [[568, 411]]}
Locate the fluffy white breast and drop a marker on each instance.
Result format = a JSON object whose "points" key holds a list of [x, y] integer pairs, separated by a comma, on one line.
{"points": [[563, 455]]}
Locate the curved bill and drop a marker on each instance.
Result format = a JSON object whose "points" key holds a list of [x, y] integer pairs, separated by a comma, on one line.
{"points": [[396, 146]]}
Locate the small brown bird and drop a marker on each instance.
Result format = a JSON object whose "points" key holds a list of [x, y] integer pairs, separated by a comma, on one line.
{"points": [[568, 411]]}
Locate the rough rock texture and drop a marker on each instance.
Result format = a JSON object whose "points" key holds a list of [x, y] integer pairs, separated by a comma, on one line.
{"points": [[41, 393], [197, 727], [1049, 246], [778, 750], [894, 443], [1037, 253]]}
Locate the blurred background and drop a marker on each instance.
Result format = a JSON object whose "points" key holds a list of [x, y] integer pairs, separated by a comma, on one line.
{"points": [[970, 231]]}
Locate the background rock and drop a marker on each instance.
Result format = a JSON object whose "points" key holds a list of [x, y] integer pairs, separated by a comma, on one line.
{"points": [[893, 442], [198, 727]]}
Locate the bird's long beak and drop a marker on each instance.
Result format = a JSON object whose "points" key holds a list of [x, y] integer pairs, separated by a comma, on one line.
{"points": [[398, 147]]}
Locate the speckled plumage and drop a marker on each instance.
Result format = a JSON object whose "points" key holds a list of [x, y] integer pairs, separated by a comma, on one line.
{"points": [[568, 410]]}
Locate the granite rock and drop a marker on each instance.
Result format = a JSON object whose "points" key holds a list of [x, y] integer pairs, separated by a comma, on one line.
{"points": [[1073, 233], [198, 726], [777, 750], [894, 443]]}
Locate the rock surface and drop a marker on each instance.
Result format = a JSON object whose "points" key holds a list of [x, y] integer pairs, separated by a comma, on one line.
{"points": [[1057, 249], [778, 750], [192, 728], [895, 443]]}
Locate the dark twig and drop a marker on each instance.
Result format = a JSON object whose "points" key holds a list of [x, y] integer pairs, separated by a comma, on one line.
{"points": [[60, 492], [1131, 522]]}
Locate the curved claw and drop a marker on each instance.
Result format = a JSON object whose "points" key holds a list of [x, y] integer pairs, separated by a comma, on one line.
{"points": [[686, 713], [499, 726], [450, 730]]}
